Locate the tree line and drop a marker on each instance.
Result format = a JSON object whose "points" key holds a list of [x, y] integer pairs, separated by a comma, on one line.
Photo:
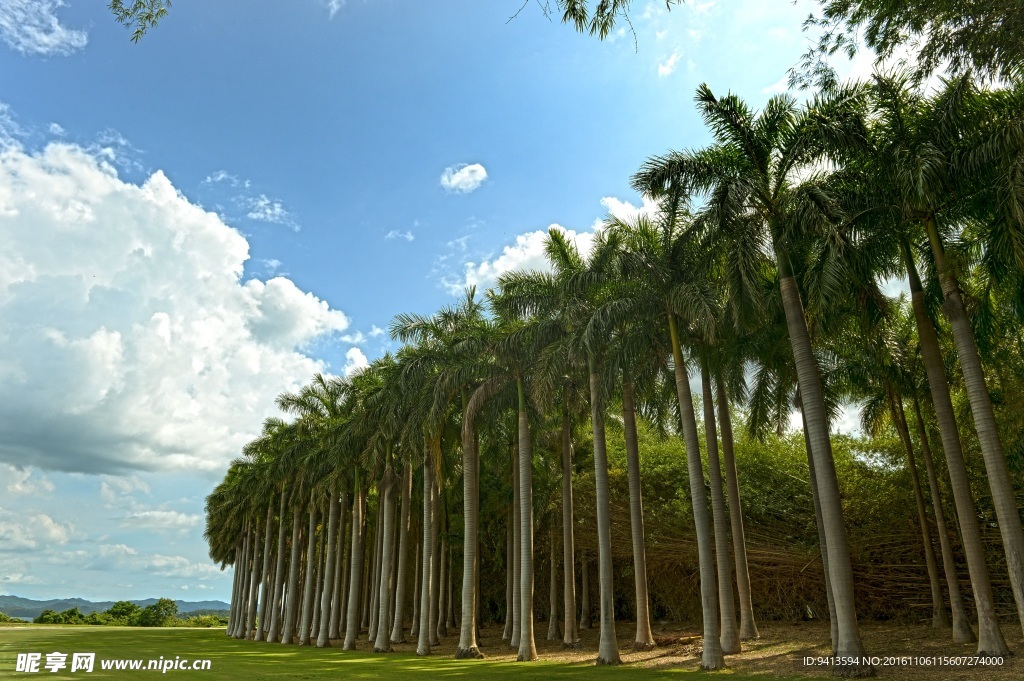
{"points": [[759, 284]]}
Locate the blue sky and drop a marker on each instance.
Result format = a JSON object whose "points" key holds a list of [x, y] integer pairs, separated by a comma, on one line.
{"points": [[193, 224]]}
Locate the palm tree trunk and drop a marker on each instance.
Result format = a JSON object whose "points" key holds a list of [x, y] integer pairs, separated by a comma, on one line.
{"points": [[527, 646], [242, 604], [822, 539], [377, 562], [404, 537], [506, 634], [730, 636], [423, 645], [323, 635], [712, 657], [571, 634], [383, 641], [435, 558], [748, 629], [254, 582], [275, 618], [355, 566], [517, 546], [268, 551], [608, 648], [849, 647], [554, 632], [442, 591], [234, 588], [990, 638], [962, 632], [450, 608], [468, 646], [338, 588], [307, 592], [1003, 498], [644, 639], [414, 628], [585, 614], [939, 618], [291, 593], [321, 556]]}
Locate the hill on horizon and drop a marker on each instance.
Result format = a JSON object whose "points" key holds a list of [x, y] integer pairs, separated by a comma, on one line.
{"points": [[16, 606]]}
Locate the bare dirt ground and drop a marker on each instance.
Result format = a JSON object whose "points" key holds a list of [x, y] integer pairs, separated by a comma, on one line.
{"points": [[779, 652]]}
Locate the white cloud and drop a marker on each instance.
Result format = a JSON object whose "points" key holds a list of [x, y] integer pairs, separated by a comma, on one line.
{"points": [[667, 67], [32, 28], [56, 129], [25, 482], [130, 341], [18, 532], [272, 264], [376, 331], [395, 234], [163, 520], [463, 178], [527, 252], [266, 210], [355, 361], [781, 86]]}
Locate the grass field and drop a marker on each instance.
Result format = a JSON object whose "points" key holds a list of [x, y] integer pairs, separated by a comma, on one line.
{"points": [[249, 661], [774, 657]]}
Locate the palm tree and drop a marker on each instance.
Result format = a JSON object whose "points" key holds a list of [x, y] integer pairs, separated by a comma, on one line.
{"points": [[760, 176]]}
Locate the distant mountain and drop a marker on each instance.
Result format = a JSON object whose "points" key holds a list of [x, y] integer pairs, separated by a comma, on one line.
{"points": [[15, 606]]}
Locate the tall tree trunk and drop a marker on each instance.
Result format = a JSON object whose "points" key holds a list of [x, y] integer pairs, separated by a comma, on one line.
{"points": [[383, 642], [730, 635], [517, 546], [378, 559], [307, 591], [468, 646], [334, 508], [404, 537], [585, 615], [355, 566], [268, 551], [822, 539], [644, 639], [571, 634], [748, 629], [292, 592], [235, 579], [423, 645], [608, 648], [712, 657], [435, 557], [554, 632], [527, 646], [1003, 497], [442, 590], [849, 650], [321, 558], [450, 614], [506, 634], [242, 605], [939, 618], [254, 581], [338, 588], [414, 627], [962, 632], [990, 638], [274, 632]]}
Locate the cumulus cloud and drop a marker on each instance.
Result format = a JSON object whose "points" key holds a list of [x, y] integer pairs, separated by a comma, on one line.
{"points": [[163, 520], [19, 532], [25, 482], [32, 28], [463, 178], [355, 361], [668, 67], [130, 340], [527, 252], [56, 129]]}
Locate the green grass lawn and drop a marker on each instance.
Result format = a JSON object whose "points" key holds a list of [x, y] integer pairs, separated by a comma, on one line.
{"points": [[250, 661]]}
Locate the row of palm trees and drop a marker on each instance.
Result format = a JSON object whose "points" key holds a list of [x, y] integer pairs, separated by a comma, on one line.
{"points": [[762, 270]]}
